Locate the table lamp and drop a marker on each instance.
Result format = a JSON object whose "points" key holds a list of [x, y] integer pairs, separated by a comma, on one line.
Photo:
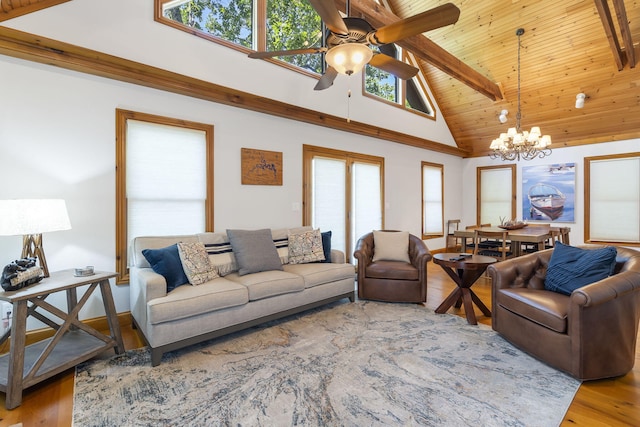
{"points": [[30, 218]]}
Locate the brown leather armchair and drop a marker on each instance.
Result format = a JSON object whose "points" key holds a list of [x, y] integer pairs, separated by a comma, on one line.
{"points": [[590, 334], [393, 281]]}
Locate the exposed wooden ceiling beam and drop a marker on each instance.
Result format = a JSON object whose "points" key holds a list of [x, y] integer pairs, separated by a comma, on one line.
{"points": [[31, 47], [12, 8], [610, 31], [623, 23], [423, 48]]}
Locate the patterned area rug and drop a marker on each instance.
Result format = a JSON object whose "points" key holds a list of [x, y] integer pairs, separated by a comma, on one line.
{"points": [[359, 364]]}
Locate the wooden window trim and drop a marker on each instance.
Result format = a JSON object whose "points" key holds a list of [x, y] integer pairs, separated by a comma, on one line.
{"points": [[122, 243], [441, 167], [478, 192], [402, 93], [587, 197], [308, 153], [261, 14]]}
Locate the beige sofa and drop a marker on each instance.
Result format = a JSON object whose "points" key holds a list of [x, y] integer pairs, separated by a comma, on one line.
{"points": [[191, 314]]}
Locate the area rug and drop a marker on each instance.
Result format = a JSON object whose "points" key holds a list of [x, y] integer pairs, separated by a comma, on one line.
{"points": [[347, 364]]}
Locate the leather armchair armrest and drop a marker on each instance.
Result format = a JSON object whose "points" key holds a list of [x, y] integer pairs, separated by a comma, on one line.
{"points": [[419, 255], [364, 253], [603, 325]]}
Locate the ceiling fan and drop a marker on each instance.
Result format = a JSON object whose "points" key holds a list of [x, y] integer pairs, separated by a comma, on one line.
{"points": [[348, 41]]}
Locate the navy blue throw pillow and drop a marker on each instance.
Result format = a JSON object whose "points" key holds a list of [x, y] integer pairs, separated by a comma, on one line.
{"points": [[166, 261], [571, 268], [326, 245]]}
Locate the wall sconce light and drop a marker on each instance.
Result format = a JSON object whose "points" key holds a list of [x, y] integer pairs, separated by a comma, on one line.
{"points": [[503, 116], [580, 100]]}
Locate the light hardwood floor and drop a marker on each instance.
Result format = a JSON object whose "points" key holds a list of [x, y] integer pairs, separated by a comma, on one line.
{"points": [[613, 402]]}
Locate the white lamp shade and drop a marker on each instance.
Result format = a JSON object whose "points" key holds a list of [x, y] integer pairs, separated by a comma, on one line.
{"points": [[33, 216], [348, 58]]}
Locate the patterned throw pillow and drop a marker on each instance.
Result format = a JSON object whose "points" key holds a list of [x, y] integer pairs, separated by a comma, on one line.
{"points": [[195, 263], [305, 247]]}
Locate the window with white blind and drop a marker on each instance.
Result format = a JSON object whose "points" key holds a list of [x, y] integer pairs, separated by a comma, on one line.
{"points": [[612, 199], [343, 193], [432, 200], [496, 194], [164, 179]]}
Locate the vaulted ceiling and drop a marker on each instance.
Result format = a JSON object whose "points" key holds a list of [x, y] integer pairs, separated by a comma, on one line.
{"points": [[565, 50], [569, 47]]}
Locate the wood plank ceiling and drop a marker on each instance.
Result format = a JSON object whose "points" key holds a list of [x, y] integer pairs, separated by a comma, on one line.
{"points": [[566, 49]]}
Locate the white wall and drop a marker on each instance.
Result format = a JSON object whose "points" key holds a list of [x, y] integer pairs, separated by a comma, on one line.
{"points": [[57, 140], [57, 135], [126, 28], [559, 155]]}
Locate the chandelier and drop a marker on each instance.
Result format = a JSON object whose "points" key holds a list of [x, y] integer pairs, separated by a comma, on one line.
{"points": [[516, 144]]}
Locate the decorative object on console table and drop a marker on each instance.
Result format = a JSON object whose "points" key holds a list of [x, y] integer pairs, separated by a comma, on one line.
{"points": [[261, 167], [30, 218]]}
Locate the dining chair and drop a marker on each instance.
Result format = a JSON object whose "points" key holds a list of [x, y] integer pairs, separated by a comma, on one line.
{"points": [[501, 251], [452, 240], [472, 245]]}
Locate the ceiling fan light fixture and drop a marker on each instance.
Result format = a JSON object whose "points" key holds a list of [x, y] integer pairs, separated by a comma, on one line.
{"points": [[349, 58]]}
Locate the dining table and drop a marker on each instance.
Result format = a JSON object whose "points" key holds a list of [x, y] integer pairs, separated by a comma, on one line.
{"points": [[531, 234]]}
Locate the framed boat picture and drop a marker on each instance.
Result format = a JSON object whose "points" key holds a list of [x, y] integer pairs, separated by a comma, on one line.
{"points": [[548, 192]]}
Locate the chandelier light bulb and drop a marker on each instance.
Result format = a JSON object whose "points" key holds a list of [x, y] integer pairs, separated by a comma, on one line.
{"points": [[503, 116]]}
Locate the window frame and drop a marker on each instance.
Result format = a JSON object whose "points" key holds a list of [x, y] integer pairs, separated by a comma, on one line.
{"points": [[420, 81], [514, 190], [259, 36], [122, 240], [308, 154], [439, 166], [587, 197]]}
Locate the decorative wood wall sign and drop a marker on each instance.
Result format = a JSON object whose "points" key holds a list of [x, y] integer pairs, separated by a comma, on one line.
{"points": [[261, 167]]}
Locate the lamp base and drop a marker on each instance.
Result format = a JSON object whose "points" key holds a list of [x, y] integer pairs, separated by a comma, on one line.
{"points": [[32, 247]]}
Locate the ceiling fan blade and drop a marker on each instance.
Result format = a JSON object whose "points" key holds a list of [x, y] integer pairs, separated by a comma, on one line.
{"points": [[430, 20], [330, 16], [391, 65], [287, 52], [327, 79]]}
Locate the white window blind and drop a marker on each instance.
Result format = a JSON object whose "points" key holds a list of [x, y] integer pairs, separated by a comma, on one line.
{"points": [[432, 199], [496, 195], [366, 202], [614, 200], [329, 198], [165, 179]]}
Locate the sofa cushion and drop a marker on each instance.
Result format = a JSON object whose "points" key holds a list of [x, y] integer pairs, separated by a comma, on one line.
{"points": [[305, 247], [394, 270], [545, 308], [196, 263], [254, 251], [391, 246], [326, 245], [315, 274], [571, 268], [267, 284], [187, 301], [166, 261], [220, 252]]}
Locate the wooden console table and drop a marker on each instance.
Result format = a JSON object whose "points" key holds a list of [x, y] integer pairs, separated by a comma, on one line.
{"points": [[73, 342]]}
